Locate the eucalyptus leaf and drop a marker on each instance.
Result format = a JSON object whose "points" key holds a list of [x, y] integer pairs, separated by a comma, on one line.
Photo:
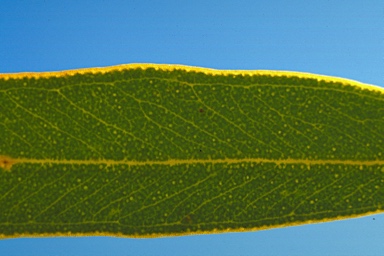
{"points": [[146, 150]]}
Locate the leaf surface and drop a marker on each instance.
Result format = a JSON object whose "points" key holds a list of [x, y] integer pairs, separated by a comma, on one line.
{"points": [[147, 150]]}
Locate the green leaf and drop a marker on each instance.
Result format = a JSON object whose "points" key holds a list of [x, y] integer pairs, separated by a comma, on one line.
{"points": [[157, 150]]}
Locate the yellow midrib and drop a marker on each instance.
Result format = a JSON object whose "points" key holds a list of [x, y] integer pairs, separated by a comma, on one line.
{"points": [[7, 162]]}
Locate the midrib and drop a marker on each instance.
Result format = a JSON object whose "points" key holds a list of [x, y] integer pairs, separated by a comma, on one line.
{"points": [[7, 162]]}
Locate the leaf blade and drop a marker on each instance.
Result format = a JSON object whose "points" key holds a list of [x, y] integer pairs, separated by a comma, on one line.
{"points": [[172, 123]]}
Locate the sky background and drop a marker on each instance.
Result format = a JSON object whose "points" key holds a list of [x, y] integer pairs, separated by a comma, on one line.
{"points": [[338, 38]]}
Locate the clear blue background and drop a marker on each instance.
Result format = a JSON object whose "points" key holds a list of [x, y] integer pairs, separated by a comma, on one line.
{"points": [[339, 38]]}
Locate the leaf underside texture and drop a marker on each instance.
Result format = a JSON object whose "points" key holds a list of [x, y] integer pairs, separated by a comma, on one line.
{"points": [[151, 150]]}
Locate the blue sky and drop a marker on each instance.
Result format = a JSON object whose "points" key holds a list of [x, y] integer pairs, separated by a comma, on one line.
{"points": [[339, 38]]}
